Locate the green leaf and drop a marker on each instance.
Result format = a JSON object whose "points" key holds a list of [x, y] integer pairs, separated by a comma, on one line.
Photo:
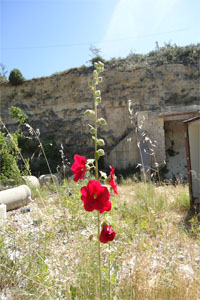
{"points": [[2, 139], [18, 115]]}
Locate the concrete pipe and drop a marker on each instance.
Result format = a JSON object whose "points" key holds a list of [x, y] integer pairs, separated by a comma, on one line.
{"points": [[31, 181], [15, 197]]}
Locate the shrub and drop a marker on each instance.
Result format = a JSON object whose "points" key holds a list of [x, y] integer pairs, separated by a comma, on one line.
{"points": [[97, 59], [16, 77], [12, 164]]}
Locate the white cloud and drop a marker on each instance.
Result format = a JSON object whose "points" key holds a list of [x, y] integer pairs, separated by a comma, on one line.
{"points": [[134, 18], [163, 9]]}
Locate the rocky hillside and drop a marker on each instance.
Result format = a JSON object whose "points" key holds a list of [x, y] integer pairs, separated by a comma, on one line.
{"points": [[168, 76]]}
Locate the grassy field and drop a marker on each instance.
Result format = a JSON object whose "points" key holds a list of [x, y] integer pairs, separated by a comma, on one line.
{"points": [[50, 252]]}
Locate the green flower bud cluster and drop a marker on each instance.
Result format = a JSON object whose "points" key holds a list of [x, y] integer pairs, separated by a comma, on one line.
{"points": [[99, 67]]}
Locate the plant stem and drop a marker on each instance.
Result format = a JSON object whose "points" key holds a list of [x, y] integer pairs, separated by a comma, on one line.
{"points": [[109, 285], [99, 259], [95, 144], [141, 157], [96, 173]]}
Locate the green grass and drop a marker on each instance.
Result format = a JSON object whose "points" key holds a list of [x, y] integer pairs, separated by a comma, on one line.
{"points": [[52, 254]]}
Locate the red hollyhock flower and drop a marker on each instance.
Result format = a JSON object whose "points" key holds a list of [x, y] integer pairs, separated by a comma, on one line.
{"points": [[107, 234], [95, 196], [79, 167], [112, 180]]}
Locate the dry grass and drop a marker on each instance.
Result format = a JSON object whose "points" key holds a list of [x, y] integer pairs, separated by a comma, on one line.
{"points": [[50, 252]]}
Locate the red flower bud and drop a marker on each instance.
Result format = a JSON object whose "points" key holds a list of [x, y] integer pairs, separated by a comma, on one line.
{"points": [[107, 234], [112, 180]]}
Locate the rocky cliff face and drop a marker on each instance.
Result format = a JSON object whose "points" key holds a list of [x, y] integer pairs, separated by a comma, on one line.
{"points": [[56, 104]]}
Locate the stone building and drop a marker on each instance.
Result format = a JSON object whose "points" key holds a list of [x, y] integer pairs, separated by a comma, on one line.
{"points": [[192, 137], [158, 140]]}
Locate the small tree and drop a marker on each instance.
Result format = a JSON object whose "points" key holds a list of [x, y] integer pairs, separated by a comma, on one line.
{"points": [[95, 54], [3, 72], [16, 77], [94, 51]]}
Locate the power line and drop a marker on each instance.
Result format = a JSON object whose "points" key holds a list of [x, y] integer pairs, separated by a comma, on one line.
{"points": [[87, 44]]}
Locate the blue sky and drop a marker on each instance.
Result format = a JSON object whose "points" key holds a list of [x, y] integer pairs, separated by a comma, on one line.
{"points": [[41, 37]]}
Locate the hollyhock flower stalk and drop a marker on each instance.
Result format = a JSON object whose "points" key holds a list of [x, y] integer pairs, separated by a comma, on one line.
{"points": [[96, 196], [99, 198], [96, 74]]}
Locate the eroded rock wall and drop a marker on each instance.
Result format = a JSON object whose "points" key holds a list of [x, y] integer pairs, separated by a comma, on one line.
{"points": [[56, 104]]}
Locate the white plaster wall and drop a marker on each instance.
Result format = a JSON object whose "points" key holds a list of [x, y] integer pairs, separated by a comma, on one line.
{"points": [[125, 154], [194, 143], [153, 127], [176, 162]]}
